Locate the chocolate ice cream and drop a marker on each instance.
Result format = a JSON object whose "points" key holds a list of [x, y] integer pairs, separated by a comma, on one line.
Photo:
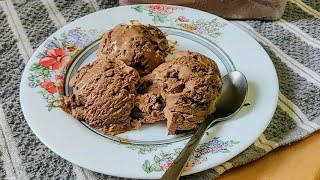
{"points": [[149, 106], [142, 47], [184, 89], [111, 97], [104, 96]]}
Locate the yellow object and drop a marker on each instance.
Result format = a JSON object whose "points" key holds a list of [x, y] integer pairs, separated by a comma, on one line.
{"points": [[300, 160], [188, 27]]}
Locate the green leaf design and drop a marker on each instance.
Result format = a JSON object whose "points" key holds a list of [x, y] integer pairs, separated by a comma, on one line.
{"points": [[234, 142], [50, 106], [142, 151], [157, 19], [39, 70], [146, 166], [138, 9], [64, 44], [200, 21], [215, 34], [42, 92], [224, 150], [154, 19], [64, 35], [161, 19], [38, 82], [45, 72], [215, 138], [155, 167], [74, 53], [35, 67], [156, 159], [31, 77], [213, 20], [56, 104]]}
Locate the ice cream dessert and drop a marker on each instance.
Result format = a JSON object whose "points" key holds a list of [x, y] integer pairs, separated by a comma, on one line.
{"points": [[104, 96], [142, 47], [181, 91], [130, 84]]}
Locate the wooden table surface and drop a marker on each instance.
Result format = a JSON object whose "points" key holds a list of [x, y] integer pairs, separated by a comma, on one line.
{"points": [[298, 161]]}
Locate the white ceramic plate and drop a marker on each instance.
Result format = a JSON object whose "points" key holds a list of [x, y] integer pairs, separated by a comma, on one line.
{"points": [[74, 45]]}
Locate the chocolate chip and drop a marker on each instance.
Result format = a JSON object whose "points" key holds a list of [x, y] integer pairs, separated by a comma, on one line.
{"points": [[114, 92], [127, 88], [178, 89]]}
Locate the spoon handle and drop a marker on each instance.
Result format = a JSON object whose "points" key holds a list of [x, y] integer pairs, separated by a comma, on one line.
{"points": [[175, 170]]}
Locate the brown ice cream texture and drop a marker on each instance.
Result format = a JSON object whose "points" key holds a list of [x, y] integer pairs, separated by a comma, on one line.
{"points": [[182, 91], [142, 47], [104, 96]]}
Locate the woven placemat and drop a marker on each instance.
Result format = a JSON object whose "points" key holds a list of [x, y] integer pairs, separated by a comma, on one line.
{"points": [[293, 44]]}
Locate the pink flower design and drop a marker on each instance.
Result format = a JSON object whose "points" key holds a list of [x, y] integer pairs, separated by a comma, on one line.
{"points": [[55, 59], [49, 86], [162, 9], [156, 7], [182, 19], [167, 165]]}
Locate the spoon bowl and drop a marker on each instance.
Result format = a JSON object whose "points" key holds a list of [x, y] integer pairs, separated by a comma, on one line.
{"points": [[231, 99], [233, 94]]}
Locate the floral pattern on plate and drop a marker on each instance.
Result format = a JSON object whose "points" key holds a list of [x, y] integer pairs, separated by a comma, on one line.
{"points": [[163, 161], [201, 27], [48, 73], [162, 14], [143, 149]]}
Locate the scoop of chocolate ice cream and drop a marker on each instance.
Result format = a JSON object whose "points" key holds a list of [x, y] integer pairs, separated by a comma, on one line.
{"points": [[142, 47], [188, 85], [104, 95]]}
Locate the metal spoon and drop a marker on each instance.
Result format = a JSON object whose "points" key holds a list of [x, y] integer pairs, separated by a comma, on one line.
{"points": [[234, 91]]}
